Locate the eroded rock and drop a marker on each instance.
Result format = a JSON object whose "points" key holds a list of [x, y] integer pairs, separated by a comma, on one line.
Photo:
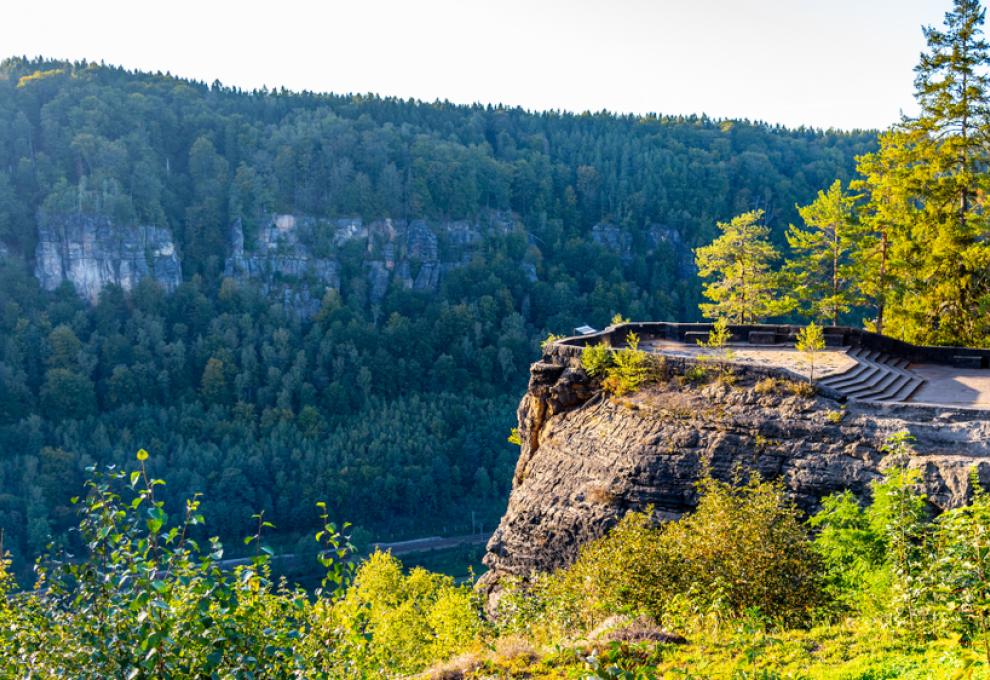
{"points": [[587, 459], [91, 252]]}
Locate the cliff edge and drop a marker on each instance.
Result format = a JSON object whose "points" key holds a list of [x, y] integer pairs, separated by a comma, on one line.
{"points": [[588, 458]]}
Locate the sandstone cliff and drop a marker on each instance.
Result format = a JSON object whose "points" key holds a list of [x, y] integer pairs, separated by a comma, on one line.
{"points": [[90, 251], [586, 459], [282, 263], [295, 258], [654, 237]]}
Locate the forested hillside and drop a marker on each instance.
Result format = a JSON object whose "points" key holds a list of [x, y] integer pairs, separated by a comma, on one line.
{"points": [[393, 406]]}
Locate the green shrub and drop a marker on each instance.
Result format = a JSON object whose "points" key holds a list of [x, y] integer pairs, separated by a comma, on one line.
{"points": [[623, 370], [852, 554], [514, 437], [876, 558], [696, 374], [631, 368], [597, 359], [960, 570], [146, 602], [743, 547], [402, 623]]}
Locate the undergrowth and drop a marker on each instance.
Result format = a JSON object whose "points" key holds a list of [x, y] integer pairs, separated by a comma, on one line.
{"points": [[743, 587], [624, 370]]}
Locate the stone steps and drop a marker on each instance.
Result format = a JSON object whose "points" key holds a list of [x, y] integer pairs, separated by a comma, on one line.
{"points": [[856, 373], [906, 392], [884, 381], [876, 377]]}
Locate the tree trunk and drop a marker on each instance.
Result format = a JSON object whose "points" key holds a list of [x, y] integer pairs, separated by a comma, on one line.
{"points": [[882, 283]]}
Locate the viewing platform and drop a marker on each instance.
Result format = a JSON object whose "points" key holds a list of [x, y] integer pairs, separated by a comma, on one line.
{"points": [[855, 364]]}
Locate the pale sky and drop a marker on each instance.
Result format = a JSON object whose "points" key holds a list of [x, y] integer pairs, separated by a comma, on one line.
{"points": [[824, 63]]}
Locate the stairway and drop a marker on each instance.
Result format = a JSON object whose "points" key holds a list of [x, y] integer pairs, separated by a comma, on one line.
{"points": [[876, 377]]}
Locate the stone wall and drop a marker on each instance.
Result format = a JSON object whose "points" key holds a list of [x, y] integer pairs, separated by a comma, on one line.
{"points": [[784, 333]]}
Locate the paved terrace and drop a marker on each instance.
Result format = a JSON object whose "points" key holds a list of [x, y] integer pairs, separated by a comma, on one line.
{"points": [[857, 364]]}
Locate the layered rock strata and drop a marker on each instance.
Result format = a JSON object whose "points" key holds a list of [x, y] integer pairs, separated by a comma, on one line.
{"points": [[586, 459]]}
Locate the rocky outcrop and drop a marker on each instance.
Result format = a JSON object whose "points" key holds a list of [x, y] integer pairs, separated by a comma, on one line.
{"points": [[587, 459], [614, 238], [654, 238], [295, 258], [91, 252], [282, 263]]}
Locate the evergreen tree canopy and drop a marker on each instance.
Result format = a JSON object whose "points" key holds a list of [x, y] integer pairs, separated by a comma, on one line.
{"points": [[824, 280], [744, 289]]}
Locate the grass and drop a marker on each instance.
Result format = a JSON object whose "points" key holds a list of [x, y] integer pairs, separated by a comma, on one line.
{"points": [[849, 651]]}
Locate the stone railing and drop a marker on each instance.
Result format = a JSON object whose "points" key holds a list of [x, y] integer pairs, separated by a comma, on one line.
{"points": [[564, 353], [774, 334]]}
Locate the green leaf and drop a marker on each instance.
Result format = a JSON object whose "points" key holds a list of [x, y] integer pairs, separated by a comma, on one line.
{"points": [[156, 519], [142, 455]]}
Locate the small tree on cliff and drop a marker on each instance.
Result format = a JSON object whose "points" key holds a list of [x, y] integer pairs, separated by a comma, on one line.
{"points": [[743, 288], [718, 343], [811, 341]]}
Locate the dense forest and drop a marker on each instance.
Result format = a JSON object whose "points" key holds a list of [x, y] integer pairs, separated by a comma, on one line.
{"points": [[397, 409]]}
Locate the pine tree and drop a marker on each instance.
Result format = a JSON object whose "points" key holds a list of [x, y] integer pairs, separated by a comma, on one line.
{"points": [[821, 273], [883, 248], [744, 289], [950, 166]]}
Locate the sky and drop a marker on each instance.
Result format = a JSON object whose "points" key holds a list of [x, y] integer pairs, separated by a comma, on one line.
{"points": [[823, 63]]}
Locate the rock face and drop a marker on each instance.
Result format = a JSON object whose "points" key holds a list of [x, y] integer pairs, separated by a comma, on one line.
{"points": [[296, 257], [587, 459], [612, 237], [91, 252], [283, 264], [655, 237]]}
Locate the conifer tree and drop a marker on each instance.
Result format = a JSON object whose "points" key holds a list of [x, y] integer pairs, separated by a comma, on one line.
{"points": [[821, 273], [744, 287], [882, 250], [810, 341], [949, 164]]}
